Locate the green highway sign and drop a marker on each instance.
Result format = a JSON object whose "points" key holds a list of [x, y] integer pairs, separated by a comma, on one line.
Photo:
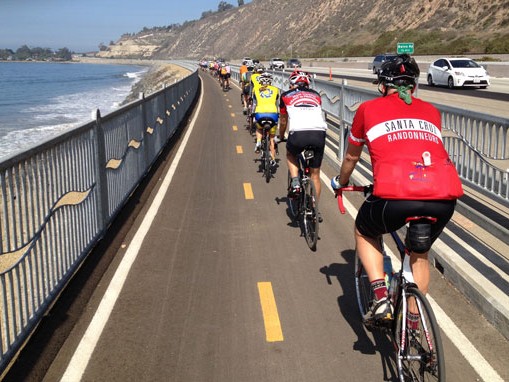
{"points": [[405, 47]]}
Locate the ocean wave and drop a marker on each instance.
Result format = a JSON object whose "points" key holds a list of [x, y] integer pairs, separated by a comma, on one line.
{"points": [[43, 119]]}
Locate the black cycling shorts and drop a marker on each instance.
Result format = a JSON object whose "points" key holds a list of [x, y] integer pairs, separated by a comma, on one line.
{"points": [[246, 90], [378, 216], [299, 140]]}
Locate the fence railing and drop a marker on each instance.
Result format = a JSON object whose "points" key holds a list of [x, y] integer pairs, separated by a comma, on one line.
{"points": [[57, 200]]}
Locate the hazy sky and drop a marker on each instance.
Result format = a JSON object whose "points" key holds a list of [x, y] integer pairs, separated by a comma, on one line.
{"points": [[81, 25]]}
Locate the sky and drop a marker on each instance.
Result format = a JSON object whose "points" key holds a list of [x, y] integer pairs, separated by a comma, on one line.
{"points": [[81, 25]]}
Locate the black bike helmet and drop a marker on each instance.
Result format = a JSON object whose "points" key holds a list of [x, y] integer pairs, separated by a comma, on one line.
{"points": [[400, 71]]}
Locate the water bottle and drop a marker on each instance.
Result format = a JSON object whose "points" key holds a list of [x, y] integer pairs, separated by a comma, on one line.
{"points": [[334, 183], [393, 288], [407, 270], [388, 272]]}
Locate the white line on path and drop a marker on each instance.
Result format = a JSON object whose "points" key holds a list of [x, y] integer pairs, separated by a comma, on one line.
{"points": [[81, 356], [462, 343]]}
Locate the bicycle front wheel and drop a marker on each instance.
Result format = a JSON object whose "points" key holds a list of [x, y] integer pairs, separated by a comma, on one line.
{"points": [[420, 354], [310, 214]]}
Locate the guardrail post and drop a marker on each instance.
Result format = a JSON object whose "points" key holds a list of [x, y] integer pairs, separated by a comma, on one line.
{"points": [[101, 179], [343, 130]]}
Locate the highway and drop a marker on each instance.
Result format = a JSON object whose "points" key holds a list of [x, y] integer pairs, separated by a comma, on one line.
{"points": [[492, 101], [176, 291]]}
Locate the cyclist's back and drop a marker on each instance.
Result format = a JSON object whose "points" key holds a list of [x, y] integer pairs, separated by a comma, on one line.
{"points": [[301, 112], [412, 176]]}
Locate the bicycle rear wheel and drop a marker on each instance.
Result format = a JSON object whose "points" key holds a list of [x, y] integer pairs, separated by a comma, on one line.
{"points": [[363, 288], [267, 170], [420, 355], [310, 214]]}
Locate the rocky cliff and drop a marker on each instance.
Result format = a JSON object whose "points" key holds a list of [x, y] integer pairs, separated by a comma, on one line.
{"points": [[264, 28]]}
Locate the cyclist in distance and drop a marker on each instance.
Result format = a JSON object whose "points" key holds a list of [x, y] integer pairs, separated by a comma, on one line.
{"points": [[258, 70], [265, 105], [300, 109], [245, 81], [412, 176]]}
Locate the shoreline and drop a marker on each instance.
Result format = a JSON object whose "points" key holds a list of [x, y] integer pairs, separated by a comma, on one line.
{"points": [[160, 74]]}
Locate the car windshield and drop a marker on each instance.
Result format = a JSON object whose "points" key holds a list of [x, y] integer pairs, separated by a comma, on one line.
{"points": [[464, 64], [276, 59]]}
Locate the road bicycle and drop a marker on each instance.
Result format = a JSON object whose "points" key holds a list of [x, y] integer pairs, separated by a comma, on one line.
{"points": [[304, 206], [266, 158], [249, 116], [418, 345]]}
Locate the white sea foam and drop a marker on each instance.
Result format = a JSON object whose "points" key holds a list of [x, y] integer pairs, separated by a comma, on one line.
{"points": [[40, 122]]}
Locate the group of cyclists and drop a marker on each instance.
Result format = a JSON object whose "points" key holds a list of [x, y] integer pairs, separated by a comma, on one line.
{"points": [[298, 110], [413, 176], [220, 69]]}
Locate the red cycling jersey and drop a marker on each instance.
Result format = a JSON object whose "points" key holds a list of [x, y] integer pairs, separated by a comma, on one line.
{"points": [[407, 153]]}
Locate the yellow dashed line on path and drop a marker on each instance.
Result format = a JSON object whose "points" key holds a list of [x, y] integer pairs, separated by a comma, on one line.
{"points": [[235, 128], [273, 331], [248, 191], [240, 150], [233, 115]]}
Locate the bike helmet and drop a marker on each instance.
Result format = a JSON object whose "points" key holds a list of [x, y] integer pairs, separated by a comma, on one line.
{"points": [[298, 78], [265, 78], [400, 71]]}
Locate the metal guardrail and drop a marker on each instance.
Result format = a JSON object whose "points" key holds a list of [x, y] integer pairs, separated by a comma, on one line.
{"points": [[58, 198]]}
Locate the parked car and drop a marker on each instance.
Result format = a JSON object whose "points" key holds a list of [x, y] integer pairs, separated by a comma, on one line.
{"points": [[294, 63], [457, 72], [276, 63], [379, 60]]}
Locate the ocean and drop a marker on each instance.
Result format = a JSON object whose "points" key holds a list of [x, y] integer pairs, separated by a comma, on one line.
{"points": [[39, 100]]}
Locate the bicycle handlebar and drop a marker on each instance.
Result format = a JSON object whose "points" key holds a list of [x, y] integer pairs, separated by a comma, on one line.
{"points": [[339, 194]]}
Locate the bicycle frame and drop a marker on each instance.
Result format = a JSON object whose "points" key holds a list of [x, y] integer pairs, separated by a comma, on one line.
{"points": [[306, 204], [267, 124], [403, 291]]}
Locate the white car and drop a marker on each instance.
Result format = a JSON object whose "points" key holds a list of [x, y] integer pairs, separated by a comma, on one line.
{"points": [[457, 72], [276, 63]]}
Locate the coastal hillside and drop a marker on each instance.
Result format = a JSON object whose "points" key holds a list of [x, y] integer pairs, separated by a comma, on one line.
{"points": [[327, 28]]}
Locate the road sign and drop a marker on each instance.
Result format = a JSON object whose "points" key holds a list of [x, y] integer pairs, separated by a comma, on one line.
{"points": [[405, 47]]}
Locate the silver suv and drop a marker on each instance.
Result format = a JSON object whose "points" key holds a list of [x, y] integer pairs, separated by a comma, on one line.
{"points": [[379, 60]]}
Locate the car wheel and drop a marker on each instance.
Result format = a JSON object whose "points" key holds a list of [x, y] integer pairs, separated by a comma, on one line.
{"points": [[450, 83], [430, 80]]}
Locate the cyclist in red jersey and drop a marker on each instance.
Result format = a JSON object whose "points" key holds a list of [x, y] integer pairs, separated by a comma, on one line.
{"points": [[412, 175]]}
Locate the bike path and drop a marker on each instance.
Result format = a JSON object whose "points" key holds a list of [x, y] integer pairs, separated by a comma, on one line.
{"points": [[189, 307]]}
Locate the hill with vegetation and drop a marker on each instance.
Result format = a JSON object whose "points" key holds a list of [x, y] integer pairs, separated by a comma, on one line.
{"points": [[326, 28]]}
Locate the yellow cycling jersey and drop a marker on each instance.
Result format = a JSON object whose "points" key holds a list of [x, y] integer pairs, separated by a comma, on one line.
{"points": [[254, 80], [266, 99]]}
